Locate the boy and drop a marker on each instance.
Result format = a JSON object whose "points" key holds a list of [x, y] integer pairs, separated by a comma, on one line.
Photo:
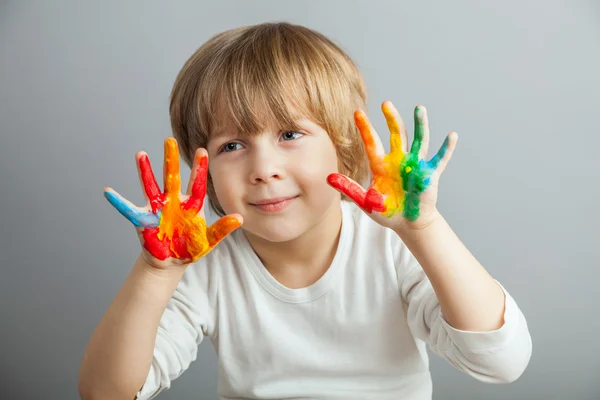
{"points": [[327, 290]]}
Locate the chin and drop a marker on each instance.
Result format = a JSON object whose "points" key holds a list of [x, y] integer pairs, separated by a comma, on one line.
{"points": [[277, 230]]}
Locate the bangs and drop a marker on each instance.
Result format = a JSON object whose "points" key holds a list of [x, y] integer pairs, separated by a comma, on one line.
{"points": [[266, 79], [252, 107]]}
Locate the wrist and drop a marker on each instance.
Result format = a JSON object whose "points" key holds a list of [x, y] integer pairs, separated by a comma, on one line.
{"points": [[419, 227], [167, 273]]}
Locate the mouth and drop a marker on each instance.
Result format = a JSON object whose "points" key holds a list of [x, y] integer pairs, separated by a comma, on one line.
{"points": [[274, 204]]}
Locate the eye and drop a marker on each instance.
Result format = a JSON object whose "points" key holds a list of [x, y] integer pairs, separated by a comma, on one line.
{"points": [[229, 147], [291, 135]]}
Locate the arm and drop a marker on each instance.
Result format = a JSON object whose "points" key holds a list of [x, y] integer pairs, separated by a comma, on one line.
{"points": [[129, 330], [149, 334], [453, 303], [488, 338], [469, 297]]}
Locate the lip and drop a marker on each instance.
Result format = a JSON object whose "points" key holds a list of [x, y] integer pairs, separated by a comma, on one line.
{"points": [[273, 204]]}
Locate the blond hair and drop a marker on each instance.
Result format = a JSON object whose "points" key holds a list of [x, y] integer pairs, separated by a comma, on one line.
{"points": [[269, 72]]}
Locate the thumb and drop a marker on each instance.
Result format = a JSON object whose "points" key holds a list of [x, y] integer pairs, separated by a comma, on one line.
{"points": [[369, 200], [223, 227]]}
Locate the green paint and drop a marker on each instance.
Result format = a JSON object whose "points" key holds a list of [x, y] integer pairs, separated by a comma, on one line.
{"points": [[416, 173]]}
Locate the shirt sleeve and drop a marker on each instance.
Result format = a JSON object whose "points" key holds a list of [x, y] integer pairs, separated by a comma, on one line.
{"points": [[498, 356], [188, 318]]}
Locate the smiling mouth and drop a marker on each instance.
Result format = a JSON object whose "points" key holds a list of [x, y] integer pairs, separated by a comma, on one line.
{"points": [[274, 204]]}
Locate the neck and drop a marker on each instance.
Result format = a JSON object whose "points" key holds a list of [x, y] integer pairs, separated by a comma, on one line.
{"points": [[290, 263]]}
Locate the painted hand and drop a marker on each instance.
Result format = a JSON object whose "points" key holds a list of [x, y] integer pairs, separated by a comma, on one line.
{"points": [[403, 189], [171, 227]]}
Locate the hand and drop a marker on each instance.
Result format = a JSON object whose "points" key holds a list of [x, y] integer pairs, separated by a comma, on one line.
{"points": [[403, 189], [171, 227]]}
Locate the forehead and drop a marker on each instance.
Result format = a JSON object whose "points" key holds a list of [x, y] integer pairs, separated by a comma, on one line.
{"points": [[253, 120]]}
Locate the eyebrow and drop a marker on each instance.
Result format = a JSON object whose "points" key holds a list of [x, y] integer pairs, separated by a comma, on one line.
{"points": [[224, 132], [218, 134]]}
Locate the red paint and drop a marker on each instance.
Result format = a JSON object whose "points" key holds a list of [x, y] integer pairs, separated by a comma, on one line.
{"points": [[196, 199], [369, 200], [177, 245], [161, 248], [150, 185]]}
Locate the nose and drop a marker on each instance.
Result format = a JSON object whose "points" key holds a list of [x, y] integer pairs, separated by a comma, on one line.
{"points": [[266, 165]]}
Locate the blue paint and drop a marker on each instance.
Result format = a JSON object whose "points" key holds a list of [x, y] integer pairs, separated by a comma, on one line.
{"points": [[433, 163], [135, 216]]}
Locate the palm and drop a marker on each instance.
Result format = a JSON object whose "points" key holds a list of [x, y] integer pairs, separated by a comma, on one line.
{"points": [[403, 187], [172, 225]]}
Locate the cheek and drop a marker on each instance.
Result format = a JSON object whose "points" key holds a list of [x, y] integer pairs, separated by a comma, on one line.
{"points": [[225, 184], [323, 161], [327, 157]]}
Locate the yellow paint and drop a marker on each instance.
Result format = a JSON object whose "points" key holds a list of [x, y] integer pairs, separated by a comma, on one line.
{"points": [[175, 219], [387, 179]]}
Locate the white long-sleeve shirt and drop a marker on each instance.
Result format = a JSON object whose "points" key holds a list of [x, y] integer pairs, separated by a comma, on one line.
{"points": [[359, 332]]}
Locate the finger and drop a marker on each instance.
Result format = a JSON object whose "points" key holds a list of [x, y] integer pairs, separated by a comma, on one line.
{"points": [[171, 168], [372, 142], [141, 219], [369, 200], [444, 154], [197, 184], [420, 145], [223, 227], [148, 181], [398, 137]]}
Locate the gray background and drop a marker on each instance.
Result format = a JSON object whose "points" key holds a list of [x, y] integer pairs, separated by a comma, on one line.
{"points": [[84, 85]]}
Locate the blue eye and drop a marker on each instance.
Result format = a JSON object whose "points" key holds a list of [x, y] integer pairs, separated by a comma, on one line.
{"points": [[291, 135], [229, 147]]}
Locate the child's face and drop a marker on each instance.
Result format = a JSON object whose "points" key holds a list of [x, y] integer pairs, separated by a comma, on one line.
{"points": [[291, 166]]}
